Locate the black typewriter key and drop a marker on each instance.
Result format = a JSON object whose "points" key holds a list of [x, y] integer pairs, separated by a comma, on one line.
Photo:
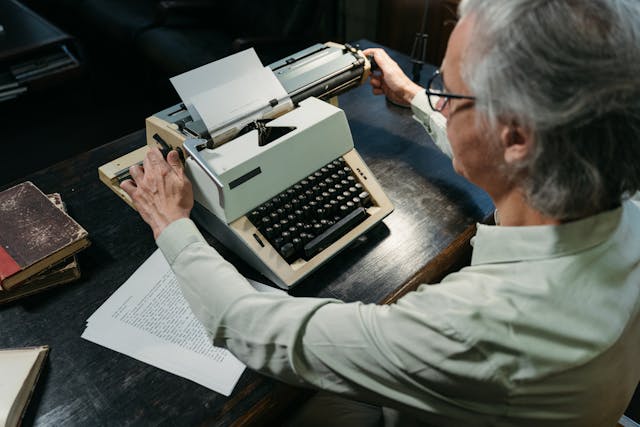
{"points": [[287, 207], [340, 198], [276, 201], [350, 205], [313, 205], [254, 217], [358, 186], [328, 208], [278, 242], [366, 198], [353, 190], [291, 193], [307, 227], [287, 251], [319, 199], [343, 210], [293, 230], [284, 223], [269, 232], [341, 174], [274, 217], [317, 228], [265, 222], [299, 225], [268, 206], [297, 243], [346, 194], [303, 198], [298, 213], [298, 188], [295, 203], [337, 163], [312, 180], [286, 236], [306, 209], [345, 183], [347, 169], [320, 212], [304, 237], [357, 201], [277, 228], [292, 218]]}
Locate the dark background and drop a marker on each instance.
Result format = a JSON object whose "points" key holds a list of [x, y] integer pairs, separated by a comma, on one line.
{"points": [[129, 49]]}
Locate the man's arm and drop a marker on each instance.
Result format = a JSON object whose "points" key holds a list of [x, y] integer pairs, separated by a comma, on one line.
{"points": [[355, 349], [391, 81]]}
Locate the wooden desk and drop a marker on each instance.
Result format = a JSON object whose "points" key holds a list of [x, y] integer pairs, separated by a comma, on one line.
{"points": [[85, 384]]}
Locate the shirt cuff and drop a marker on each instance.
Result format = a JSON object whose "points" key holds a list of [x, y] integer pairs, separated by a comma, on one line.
{"points": [[177, 236], [434, 123]]}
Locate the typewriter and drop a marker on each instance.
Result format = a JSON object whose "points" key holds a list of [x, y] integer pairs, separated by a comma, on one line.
{"points": [[283, 187]]}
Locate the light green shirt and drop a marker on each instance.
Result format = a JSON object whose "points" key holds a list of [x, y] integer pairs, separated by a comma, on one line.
{"points": [[543, 326], [542, 329]]}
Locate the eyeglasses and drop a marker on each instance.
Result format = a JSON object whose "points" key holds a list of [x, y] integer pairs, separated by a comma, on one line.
{"points": [[436, 95]]}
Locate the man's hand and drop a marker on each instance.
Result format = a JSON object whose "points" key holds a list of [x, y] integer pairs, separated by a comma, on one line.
{"points": [[390, 80], [160, 190]]}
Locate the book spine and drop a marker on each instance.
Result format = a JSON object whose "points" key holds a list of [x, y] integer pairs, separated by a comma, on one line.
{"points": [[8, 266]]}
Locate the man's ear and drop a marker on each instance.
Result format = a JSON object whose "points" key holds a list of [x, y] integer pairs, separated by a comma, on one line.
{"points": [[517, 143]]}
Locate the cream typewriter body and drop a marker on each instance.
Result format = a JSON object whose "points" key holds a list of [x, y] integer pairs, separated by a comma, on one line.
{"points": [[287, 191]]}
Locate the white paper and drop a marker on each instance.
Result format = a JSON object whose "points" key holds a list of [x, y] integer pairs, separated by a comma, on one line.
{"points": [[148, 319], [214, 74], [230, 93], [245, 99]]}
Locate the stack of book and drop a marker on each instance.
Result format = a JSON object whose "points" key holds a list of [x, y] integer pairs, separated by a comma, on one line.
{"points": [[38, 242]]}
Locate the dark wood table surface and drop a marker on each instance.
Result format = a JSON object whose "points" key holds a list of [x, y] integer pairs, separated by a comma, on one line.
{"points": [[86, 384]]}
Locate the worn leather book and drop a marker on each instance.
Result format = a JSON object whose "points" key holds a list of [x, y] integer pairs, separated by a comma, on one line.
{"points": [[34, 234], [19, 372], [65, 271]]}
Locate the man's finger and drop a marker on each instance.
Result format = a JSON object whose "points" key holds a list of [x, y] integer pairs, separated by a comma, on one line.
{"points": [[128, 186], [135, 171], [154, 156], [173, 158]]}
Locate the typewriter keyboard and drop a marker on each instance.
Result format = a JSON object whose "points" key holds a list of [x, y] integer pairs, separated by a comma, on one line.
{"points": [[313, 213]]}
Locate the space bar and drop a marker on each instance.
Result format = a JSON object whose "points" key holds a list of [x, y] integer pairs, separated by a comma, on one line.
{"points": [[334, 232]]}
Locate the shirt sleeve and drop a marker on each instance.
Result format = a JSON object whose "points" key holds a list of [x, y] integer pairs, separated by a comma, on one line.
{"points": [[390, 355], [434, 123]]}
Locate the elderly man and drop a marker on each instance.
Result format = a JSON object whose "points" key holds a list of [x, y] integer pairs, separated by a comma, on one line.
{"points": [[542, 107]]}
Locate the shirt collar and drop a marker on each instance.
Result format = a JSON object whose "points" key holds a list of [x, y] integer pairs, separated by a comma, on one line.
{"points": [[497, 244]]}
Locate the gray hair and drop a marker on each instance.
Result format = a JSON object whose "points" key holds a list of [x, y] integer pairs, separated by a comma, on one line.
{"points": [[569, 71]]}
